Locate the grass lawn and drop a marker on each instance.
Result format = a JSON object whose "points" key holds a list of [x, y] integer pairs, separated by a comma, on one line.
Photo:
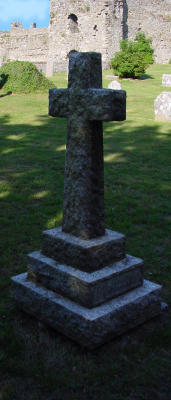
{"points": [[36, 362]]}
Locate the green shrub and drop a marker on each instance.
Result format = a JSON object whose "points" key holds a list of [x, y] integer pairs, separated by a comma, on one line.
{"points": [[134, 57], [23, 77]]}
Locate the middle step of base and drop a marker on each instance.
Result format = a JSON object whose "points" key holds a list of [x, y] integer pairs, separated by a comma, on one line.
{"points": [[87, 289]]}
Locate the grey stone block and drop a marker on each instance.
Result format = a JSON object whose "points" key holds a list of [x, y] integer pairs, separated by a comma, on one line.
{"points": [[88, 289], [162, 107], [166, 80], [87, 255], [115, 85], [89, 327]]}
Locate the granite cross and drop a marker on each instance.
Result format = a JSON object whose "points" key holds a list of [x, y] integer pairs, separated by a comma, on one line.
{"points": [[86, 105]]}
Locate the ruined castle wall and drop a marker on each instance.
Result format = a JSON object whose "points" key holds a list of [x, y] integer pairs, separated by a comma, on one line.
{"points": [[89, 25], [102, 24], [154, 18], [25, 45], [97, 27]]}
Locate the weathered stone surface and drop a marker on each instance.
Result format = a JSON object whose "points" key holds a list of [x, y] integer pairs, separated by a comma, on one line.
{"points": [[89, 327], [88, 289], [162, 107], [87, 255], [83, 207], [91, 104], [166, 80], [85, 70], [114, 85], [85, 104]]}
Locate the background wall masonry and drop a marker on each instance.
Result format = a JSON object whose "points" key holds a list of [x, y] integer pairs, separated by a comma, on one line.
{"points": [[88, 25]]}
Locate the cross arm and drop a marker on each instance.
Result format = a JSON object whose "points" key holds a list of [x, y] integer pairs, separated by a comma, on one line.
{"points": [[58, 102], [106, 105], [94, 104], [98, 104]]}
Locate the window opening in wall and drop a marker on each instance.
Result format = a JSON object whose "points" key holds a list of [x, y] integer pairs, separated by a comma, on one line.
{"points": [[73, 18], [73, 23], [72, 51]]}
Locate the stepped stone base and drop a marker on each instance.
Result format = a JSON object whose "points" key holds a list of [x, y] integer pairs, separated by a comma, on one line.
{"points": [[89, 290], [89, 327]]}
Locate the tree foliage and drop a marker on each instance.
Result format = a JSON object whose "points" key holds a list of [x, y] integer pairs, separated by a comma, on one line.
{"points": [[23, 77], [134, 57]]}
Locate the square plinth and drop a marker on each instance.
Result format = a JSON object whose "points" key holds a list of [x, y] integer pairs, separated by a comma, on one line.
{"points": [[86, 255], [88, 289], [89, 327]]}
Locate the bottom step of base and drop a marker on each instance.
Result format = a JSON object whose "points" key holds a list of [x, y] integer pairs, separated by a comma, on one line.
{"points": [[89, 327]]}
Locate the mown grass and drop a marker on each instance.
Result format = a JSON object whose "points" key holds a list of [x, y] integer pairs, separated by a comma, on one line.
{"points": [[36, 362]]}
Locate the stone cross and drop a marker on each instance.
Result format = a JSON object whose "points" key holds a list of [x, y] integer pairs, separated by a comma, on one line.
{"points": [[86, 105], [82, 282]]}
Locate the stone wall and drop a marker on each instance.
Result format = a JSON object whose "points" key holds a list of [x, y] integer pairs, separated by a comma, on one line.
{"points": [[88, 25], [25, 45], [84, 25], [154, 18]]}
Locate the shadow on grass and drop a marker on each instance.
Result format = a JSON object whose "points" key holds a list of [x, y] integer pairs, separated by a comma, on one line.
{"points": [[137, 204], [146, 76], [5, 94], [32, 175], [3, 79]]}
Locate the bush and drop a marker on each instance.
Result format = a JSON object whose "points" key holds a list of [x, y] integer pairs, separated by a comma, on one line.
{"points": [[134, 57], [23, 77]]}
